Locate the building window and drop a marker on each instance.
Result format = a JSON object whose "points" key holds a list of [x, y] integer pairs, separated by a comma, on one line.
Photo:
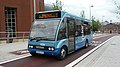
{"points": [[10, 19]]}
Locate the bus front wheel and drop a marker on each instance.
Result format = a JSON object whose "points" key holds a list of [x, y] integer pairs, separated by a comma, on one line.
{"points": [[63, 53]]}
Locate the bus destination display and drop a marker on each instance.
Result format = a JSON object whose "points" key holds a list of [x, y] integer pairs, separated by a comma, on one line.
{"points": [[48, 15]]}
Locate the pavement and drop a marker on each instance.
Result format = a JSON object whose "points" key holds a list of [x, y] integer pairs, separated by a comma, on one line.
{"points": [[14, 51], [107, 55]]}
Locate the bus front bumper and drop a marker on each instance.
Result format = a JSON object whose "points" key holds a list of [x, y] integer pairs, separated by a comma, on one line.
{"points": [[55, 52]]}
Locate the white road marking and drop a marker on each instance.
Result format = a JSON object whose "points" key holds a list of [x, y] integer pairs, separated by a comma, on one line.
{"points": [[94, 37], [14, 59]]}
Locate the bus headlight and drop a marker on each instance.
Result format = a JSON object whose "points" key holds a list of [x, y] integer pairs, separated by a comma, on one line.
{"points": [[51, 48], [30, 46]]}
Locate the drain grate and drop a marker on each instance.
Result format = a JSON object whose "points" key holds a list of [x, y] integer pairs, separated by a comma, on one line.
{"points": [[20, 52], [113, 44]]}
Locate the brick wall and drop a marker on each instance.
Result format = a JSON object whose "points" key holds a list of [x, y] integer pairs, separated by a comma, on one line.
{"points": [[24, 13]]}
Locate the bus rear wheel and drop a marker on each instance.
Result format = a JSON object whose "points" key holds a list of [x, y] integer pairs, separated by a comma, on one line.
{"points": [[63, 53]]}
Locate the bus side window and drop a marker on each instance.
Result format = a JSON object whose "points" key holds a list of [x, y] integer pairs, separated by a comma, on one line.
{"points": [[62, 31], [87, 29], [78, 28]]}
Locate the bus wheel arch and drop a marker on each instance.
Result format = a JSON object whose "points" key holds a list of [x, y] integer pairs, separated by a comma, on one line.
{"points": [[63, 52]]}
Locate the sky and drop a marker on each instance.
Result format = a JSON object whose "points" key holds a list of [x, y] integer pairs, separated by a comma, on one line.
{"points": [[102, 10]]}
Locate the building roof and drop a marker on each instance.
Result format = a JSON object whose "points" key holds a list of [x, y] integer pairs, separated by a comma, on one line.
{"points": [[112, 25]]}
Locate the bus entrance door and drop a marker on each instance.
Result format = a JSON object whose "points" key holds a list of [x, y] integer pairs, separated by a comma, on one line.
{"points": [[71, 35]]}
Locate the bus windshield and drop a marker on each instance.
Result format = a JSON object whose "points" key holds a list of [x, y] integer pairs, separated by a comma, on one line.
{"points": [[44, 29]]}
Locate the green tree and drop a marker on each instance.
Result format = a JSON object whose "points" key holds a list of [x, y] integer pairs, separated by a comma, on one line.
{"points": [[96, 25], [117, 9], [57, 5]]}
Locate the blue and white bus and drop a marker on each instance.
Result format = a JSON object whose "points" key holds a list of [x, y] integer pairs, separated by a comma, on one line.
{"points": [[58, 33]]}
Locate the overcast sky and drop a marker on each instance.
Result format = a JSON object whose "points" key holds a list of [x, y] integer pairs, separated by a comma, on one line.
{"points": [[101, 8]]}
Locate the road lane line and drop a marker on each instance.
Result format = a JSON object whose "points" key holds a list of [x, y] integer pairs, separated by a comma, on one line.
{"points": [[14, 59], [72, 64]]}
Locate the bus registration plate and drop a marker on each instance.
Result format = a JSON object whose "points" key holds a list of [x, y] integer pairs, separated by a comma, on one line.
{"points": [[39, 52]]}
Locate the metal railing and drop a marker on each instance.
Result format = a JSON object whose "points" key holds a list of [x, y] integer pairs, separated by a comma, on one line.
{"points": [[5, 36]]}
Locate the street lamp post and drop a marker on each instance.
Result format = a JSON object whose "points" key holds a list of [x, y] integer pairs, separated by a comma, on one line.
{"points": [[34, 9], [102, 20], [90, 11], [90, 16], [102, 24]]}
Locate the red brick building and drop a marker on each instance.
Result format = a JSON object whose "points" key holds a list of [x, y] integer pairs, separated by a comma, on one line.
{"points": [[17, 15], [111, 28]]}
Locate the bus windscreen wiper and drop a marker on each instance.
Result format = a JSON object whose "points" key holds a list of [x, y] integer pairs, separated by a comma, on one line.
{"points": [[40, 38], [35, 38]]}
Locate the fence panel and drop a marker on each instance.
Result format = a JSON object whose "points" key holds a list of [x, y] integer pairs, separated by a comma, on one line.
{"points": [[20, 37]]}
